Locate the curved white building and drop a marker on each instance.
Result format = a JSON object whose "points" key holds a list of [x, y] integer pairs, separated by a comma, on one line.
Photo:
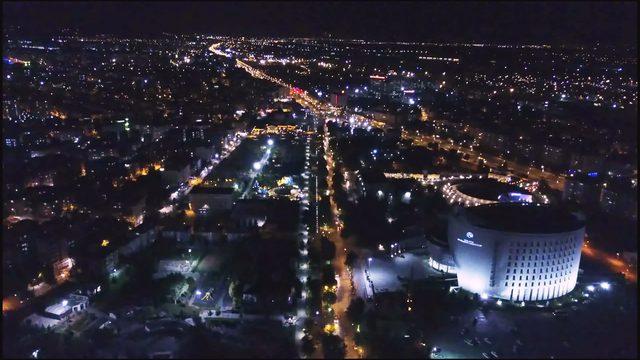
{"points": [[440, 257], [516, 251]]}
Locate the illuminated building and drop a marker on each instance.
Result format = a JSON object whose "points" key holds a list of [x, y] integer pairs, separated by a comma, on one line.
{"points": [[440, 257], [71, 303], [516, 251], [484, 191], [338, 99], [583, 188]]}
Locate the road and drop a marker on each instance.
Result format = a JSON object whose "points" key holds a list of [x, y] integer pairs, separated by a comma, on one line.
{"points": [[303, 268], [613, 262], [255, 172], [555, 181], [345, 290], [234, 140]]}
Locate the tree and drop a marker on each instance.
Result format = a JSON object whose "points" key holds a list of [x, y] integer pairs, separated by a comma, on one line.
{"points": [[330, 297], [328, 249], [308, 347], [333, 346], [328, 276], [351, 259], [355, 311], [309, 323], [191, 282], [235, 292]]}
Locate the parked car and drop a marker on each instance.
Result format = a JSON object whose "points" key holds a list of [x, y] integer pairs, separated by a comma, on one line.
{"points": [[468, 342]]}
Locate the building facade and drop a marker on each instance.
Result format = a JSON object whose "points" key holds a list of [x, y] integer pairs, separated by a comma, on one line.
{"points": [[515, 251]]}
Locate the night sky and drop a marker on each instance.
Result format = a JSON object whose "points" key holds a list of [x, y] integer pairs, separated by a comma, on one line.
{"points": [[500, 22]]}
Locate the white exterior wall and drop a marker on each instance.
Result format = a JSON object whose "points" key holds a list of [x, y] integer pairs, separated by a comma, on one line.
{"points": [[515, 266]]}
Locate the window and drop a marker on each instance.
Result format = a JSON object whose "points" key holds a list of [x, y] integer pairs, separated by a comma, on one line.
{"points": [[506, 284]]}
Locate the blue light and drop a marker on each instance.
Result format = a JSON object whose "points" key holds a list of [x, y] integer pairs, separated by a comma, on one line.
{"points": [[593, 174]]}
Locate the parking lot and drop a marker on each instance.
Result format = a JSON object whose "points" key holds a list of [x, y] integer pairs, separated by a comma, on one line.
{"points": [[578, 330]]}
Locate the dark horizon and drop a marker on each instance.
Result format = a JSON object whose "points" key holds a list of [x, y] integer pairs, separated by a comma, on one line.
{"points": [[554, 23]]}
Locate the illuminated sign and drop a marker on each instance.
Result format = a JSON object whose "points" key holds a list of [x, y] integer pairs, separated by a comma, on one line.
{"points": [[515, 197], [469, 242], [469, 234]]}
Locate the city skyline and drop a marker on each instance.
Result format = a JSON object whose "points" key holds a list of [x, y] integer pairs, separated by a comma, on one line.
{"points": [[555, 23]]}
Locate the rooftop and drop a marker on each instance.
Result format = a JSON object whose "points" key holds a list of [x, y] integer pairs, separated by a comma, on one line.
{"points": [[523, 218], [212, 190], [65, 304], [488, 189]]}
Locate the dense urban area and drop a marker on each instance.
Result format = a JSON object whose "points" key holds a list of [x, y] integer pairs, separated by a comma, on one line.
{"points": [[201, 196]]}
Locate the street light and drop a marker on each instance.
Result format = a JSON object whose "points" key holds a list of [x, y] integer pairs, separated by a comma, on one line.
{"points": [[605, 285]]}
